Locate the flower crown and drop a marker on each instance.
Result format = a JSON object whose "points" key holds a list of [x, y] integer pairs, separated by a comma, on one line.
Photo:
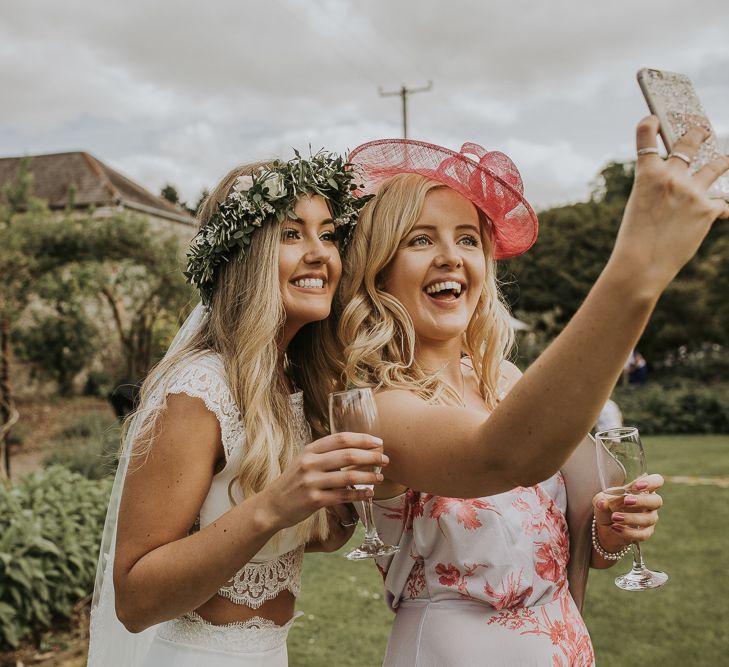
{"points": [[270, 194]]}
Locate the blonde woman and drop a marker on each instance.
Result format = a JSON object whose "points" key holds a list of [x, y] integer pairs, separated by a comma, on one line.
{"points": [[473, 494], [224, 489]]}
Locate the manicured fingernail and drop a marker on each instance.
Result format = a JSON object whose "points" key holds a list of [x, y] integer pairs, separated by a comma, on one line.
{"points": [[641, 485], [617, 517], [602, 504], [376, 440], [616, 527], [380, 477], [630, 500], [385, 459]]}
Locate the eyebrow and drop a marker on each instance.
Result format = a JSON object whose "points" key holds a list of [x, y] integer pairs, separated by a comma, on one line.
{"points": [[299, 221], [433, 227]]}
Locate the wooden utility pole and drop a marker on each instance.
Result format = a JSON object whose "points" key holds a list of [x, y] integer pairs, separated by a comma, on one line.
{"points": [[403, 93]]}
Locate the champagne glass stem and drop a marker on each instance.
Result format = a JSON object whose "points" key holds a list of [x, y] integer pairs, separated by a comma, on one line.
{"points": [[638, 563], [368, 520]]}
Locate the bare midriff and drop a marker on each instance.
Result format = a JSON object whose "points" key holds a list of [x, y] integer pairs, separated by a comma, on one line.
{"points": [[219, 610]]}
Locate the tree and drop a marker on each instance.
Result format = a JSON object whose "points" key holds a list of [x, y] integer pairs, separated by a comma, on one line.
{"points": [[169, 192], [132, 268], [573, 246], [61, 338], [21, 216]]}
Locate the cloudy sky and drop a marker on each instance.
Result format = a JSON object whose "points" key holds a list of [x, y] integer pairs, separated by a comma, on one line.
{"points": [[179, 92]]}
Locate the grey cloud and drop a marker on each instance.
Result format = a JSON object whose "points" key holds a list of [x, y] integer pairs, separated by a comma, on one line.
{"points": [[171, 91]]}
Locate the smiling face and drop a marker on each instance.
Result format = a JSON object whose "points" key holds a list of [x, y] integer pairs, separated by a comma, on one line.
{"points": [[309, 266], [439, 269]]}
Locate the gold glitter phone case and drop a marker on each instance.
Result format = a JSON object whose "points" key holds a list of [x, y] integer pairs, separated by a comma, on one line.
{"points": [[672, 98]]}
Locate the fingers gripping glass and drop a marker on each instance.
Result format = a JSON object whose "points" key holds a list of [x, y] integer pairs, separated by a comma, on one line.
{"points": [[355, 411], [620, 462]]}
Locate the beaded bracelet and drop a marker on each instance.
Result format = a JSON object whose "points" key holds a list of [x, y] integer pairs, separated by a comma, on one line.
{"points": [[601, 552]]}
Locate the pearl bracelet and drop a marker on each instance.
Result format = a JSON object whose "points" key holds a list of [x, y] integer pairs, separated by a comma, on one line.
{"points": [[601, 552]]}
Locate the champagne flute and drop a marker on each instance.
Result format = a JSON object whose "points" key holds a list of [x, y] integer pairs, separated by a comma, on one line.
{"points": [[620, 463], [354, 410]]}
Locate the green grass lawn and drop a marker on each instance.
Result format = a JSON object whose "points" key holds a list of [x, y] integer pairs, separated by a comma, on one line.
{"points": [[685, 623]]}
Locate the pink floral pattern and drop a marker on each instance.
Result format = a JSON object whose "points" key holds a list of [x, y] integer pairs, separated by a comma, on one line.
{"points": [[567, 632], [464, 510], [512, 593], [416, 581], [508, 552]]}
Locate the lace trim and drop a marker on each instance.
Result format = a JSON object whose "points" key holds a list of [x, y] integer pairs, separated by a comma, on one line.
{"points": [[297, 406], [204, 378], [251, 636], [255, 583]]}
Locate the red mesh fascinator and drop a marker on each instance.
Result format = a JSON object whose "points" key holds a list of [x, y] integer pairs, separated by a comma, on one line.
{"points": [[489, 179]]}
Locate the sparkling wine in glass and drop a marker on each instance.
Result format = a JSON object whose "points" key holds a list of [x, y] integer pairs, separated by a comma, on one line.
{"points": [[620, 463], [354, 411]]}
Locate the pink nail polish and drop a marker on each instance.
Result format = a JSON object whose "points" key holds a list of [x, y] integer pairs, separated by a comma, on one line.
{"points": [[617, 517], [630, 500], [641, 485], [616, 527], [601, 504]]}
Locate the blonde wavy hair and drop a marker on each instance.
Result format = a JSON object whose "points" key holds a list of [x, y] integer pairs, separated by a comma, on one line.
{"points": [[245, 320], [380, 335]]}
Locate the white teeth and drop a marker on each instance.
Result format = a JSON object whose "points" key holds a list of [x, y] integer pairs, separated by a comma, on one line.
{"points": [[439, 287], [309, 283]]}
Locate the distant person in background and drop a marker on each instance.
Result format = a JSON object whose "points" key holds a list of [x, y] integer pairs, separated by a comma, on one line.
{"points": [[124, 399], [609, 417], [636, 368]]}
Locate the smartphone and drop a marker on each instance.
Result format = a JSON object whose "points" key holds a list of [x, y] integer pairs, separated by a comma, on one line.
{"points": [[672, 98]]}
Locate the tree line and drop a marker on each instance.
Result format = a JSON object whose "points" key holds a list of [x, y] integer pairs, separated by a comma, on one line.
{"points": [[75, 285], [546, 285], [65, 275]]}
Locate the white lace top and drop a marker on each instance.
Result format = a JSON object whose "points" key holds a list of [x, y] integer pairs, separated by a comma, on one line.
{"points": [[277, 566]]}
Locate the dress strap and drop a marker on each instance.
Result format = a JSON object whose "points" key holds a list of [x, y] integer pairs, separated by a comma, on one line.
{"points": [[203, 377]]}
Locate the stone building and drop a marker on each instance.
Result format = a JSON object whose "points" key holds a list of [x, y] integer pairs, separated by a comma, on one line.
{"points": [[80, 181]]}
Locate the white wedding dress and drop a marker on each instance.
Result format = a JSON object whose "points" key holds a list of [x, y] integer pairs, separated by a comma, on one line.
{"points": [[189, 640]]}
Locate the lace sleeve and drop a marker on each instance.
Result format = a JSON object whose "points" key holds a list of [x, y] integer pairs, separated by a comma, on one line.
{"points": [[204, 377]]}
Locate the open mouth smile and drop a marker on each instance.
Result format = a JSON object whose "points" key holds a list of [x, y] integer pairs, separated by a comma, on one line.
{"points": [[309, 283], [445, 290]]}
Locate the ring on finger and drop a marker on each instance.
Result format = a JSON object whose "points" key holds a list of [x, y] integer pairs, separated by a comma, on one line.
{"points": [[681, 156], [650, 150], [349, 525]]}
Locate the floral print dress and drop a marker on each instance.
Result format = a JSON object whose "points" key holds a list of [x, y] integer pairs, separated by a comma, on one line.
{"points": [[481, 581]]}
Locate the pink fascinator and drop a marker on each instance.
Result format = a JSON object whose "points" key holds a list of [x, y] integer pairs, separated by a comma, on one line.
{"points": [[487, 178]]}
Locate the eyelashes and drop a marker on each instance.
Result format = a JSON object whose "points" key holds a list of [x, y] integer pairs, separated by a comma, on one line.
{"points": [[467, 239], [292, 234]]}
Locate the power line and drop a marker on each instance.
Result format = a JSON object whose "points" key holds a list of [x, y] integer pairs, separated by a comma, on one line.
{"points": [[403, 93]]}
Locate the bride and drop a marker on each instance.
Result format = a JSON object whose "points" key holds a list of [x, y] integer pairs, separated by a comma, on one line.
{"points": [[220, 490]]}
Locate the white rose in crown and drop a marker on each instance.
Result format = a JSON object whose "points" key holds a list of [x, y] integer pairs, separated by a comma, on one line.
{"points": [[242, 184], [275, 185]]}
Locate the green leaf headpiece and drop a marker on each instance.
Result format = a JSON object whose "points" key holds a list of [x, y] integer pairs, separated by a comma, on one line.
{"points": [[270, 195]]}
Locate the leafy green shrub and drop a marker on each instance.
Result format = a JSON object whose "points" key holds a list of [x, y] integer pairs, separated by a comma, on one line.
{"points": [[98, 383], [50, 530], [685, 407], [704, 363], [89, 446], [59, 345]]}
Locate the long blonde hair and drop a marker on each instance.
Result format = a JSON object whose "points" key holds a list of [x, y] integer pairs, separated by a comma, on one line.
{"points": [[378, 330], [243, 326]]}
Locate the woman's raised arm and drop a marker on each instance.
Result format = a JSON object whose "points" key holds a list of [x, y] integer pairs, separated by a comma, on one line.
{"points": [[455, 452]]}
